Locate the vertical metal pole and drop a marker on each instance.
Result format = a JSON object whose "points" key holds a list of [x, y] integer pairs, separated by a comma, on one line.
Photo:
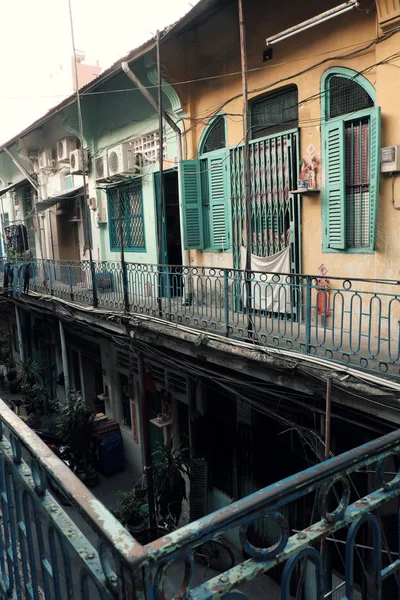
{"points": [[328, 417], [325, 554], [64, 358], [160, 215], [85, 195], [246, 164], [19, 333], [122, 251], [144, 421], [191, 397]]}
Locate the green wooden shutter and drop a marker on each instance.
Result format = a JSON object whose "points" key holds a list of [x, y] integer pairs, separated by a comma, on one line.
{"points": [[218, 192], [375, 144], [335, 189], [192, 205]]}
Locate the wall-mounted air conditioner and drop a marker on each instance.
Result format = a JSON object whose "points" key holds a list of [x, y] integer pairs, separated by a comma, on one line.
{"points": [[121, 160], [46, 159], [64, 148], [101, 167], [75, 162]]}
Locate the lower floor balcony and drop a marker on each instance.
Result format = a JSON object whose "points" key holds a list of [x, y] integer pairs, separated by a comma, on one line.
{"points": [[346, 549]]}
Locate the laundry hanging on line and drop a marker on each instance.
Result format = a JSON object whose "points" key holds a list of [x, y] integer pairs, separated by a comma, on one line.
{"points": [[266, 293]]}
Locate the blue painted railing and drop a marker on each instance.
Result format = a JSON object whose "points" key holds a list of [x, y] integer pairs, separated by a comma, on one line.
{"points": [[354, 321], [44, 553]]}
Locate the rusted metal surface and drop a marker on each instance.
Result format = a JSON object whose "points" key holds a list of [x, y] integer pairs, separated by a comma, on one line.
{"points": [[44, 554]]}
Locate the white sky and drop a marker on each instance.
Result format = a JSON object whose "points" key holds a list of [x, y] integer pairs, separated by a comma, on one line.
{"points": [[36, 40]]}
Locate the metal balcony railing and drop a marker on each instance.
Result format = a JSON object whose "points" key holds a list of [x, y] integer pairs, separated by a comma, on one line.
{"points": [[45, 554], [355, 322]]}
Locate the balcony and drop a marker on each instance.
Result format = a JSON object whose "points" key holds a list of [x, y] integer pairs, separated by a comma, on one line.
{"points": [[45, 554], [354, 322]]}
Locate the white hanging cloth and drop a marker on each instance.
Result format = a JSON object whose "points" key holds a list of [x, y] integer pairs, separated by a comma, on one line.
{"points": [[267, 294]]}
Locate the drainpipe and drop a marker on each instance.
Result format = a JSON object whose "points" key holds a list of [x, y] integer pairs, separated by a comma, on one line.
{"points": [[64, 359], [178, 134], [19, 333]]}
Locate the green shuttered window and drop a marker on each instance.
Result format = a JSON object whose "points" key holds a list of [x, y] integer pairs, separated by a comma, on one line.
{"points": [[204, 185], [351, 166]]}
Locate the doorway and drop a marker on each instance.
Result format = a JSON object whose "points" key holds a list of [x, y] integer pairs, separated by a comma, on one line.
{"points": [[171, 280]]}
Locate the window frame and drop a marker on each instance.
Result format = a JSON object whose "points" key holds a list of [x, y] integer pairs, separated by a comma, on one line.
{"points": [[345, 118], [127, 403], [111, 220], [205, 159], [206, 132], [278, 92]]}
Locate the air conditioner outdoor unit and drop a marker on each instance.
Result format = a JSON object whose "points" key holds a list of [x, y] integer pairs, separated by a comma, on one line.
{"points": [[75, 162], [101, 167], [46, 159], [121, 160], [64, 148], [77, 214]]}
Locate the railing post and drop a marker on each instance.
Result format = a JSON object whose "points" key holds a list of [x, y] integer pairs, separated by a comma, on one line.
{"points": [[169, 283], [95, 297], [71, 292], [226, 301], [50, 277], [308, 314]]}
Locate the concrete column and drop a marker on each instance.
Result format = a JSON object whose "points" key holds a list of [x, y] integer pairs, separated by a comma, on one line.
{"points": [[64, 358]]}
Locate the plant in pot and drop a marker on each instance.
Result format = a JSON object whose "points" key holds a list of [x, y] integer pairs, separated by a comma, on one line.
{"points": [[35, 399], [129, 514], [74, 427], [170, 473], [141, 489]]}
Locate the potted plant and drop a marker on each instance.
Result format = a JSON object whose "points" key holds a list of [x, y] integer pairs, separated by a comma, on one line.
{"points": [[129, 514], [140, 489], [170, 474], [74, 427]]}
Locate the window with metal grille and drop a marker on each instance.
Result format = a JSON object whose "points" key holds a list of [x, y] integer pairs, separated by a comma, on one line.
{"points": [[215, 137], [357, 155], [347, 96], [274, 113], [129, 198]]}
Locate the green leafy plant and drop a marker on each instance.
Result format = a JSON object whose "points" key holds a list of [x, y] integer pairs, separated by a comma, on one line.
{"points": [[74, 426], [128, 509], [170, 473], [30, 381]]}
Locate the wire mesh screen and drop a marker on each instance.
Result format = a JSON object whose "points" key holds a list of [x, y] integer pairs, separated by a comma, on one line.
{"points": [[129, 197], [357, 156], [275, 113], [215, 139], [347, 96]]}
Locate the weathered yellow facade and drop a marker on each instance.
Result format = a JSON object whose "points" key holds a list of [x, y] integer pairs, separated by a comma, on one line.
{"points": [[209, 53]]}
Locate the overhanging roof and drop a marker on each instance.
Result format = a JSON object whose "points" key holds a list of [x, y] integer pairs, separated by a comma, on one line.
{"points": [[13, 186], [52, 200], [201, 11]]}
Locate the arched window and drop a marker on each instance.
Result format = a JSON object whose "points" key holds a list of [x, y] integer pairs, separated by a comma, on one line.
{"points": [[279, 111], [351, 145], [214, 136]]}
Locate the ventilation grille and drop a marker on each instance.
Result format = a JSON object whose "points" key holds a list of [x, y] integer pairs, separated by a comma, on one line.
{"points": [[127, 361], [113, 162], [177, 382], [216, 137], [347, 96], [198, 489], [99, 162]]}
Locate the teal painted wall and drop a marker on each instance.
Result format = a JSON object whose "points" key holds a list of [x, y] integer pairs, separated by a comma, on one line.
{"points": [[112, 117]]}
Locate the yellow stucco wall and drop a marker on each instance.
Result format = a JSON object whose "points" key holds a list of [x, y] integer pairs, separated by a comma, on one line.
{"points": [[212, 49]]}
